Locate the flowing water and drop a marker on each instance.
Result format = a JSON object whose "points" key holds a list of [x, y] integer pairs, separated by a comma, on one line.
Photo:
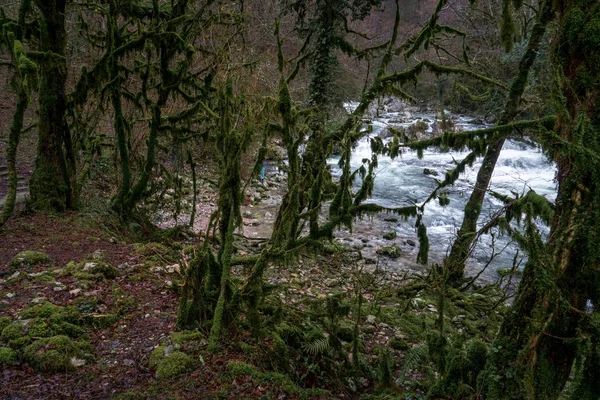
{"points": [[402, 182]]}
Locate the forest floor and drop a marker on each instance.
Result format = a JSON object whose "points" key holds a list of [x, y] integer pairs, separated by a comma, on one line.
{"points": [[143, 297]]}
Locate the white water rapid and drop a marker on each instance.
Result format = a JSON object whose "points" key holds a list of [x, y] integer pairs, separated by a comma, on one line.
{"points": [[402, 182]]}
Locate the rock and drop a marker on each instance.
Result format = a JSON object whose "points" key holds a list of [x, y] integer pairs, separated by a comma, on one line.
{"points": [[389, 235], [75, 292], [268, 215], [392, 251], [257, 197], [174, 268], [77, 362], [371, 319], [14, 276], [128, 362], [247, 214], [411, 242], [157, 269], [430, 172], [97, 255], [364, 381], [30, 258], [59, 288], [89, 266], [113, 240], [38, 300], [35, 274], [432, 308], [10, 295]]}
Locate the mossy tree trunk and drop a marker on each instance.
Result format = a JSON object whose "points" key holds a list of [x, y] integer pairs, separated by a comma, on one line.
{"points": [[549, 322], [50, 185], [24, 77], [462, 246]]}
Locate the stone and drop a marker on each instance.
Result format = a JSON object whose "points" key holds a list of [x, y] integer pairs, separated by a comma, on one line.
{"points": [[14, 276], [30, 258], [77, 362], [389, 235], [58, 288], [89, 266], [371, 319], [390, 251], [75, 292], [247, 214], [173, 268], [38, 300], [411, 242], [10, 295]]}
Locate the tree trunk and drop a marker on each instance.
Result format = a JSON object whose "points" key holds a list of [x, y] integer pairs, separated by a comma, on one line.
{"points": [[11, 154], [461, 249], [541, 335], [50, 184]]}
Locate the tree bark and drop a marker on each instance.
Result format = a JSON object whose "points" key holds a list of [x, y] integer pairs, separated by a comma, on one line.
{"points": [[541, 335], [50, 184], [461, 249]]}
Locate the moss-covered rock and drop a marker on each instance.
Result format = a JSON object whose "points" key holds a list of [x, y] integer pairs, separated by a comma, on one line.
{"points": [[4, 322], [57, 354], [390, 235], [56, 313], [151, 249], [173, 365], [390, 251], [7, 356], [30, 258], [12, 332], [100, 270]]}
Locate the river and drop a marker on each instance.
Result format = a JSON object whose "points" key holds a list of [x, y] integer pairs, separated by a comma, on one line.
{"points": [[402, 182]]}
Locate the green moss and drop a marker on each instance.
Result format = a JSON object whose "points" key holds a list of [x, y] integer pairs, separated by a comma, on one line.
{"points": [[96, 270], [20, 342], [30, 258], [173, 365], [7, 356], [508, 271], [180, 338], [399, 344], [12, 332], [101, 321], [49, 310], [157, 355], [55, 354], [151, 249], [4, 322], [45, 278], [389, 235], [390, 251]]}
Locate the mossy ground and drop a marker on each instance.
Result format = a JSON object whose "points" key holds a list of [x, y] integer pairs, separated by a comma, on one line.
{"points": [[126, 317]]}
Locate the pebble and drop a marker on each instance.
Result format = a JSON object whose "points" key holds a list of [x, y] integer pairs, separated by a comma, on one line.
{"points": [[38, 300], [371, 319], [14, 276], [88, 266], [10, 295], [58, 288], [75, 292]]}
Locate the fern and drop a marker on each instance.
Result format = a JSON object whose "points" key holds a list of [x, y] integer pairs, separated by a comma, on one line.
{"points": [[316, 347], [413, 358]]}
